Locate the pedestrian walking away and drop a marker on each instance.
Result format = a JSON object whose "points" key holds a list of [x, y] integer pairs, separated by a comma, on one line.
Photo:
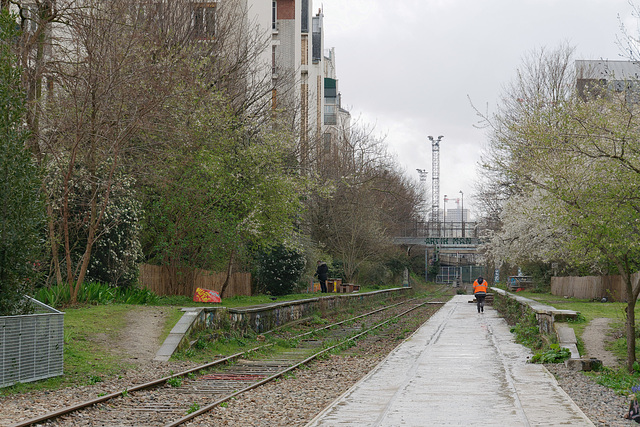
{"points": [[480, 292], [322, 272]]}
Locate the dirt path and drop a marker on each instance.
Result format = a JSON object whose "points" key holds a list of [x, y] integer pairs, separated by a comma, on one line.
{"points": [[594, 337], [140, 340]]}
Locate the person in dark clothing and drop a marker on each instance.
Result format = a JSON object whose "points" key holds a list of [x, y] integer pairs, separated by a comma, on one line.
{"points": [[322, 272]]}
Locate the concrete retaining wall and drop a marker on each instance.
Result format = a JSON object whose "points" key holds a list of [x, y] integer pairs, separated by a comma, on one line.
{"points": [[550, 320], [262, 318], [546, 314]]}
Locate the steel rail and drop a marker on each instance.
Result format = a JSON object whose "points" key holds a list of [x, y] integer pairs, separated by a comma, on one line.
{"points": [[154, 383], [73, 408], [289, 369]]}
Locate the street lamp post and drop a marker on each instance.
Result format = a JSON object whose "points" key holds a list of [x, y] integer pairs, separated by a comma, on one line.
{"points": [[462, 213], [444, 216]]}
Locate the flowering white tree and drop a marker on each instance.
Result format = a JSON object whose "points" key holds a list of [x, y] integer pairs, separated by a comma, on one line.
{"points": [[528, 231], [574, 163]]}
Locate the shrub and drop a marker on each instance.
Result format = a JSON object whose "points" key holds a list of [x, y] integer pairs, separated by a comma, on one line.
{"points": [[279, 269], [116, 255], [373, 273], [22, 214], [555, 354]]}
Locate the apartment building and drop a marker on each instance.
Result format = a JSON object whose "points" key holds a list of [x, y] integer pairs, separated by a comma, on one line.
{"points": [[299, 62], [293, 64], [620, 77], [337, 120]]}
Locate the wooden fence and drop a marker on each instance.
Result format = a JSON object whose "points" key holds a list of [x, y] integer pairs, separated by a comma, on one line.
{"points": [[165, 280], [592, 287]]}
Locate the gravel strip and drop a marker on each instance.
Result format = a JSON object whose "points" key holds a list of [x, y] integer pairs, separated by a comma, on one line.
{"points": [[21, 407], [296, 399], [601, 404]]}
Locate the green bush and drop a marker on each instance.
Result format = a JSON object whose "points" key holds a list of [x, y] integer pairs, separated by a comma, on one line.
{"points": [[22, 213], [373, 274], [336, 268], [527, 333], [525, 324], [279, 269], [116, 256]]}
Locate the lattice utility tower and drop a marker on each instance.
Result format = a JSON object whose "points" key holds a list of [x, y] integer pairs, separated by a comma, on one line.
{"points": [[435, 180]]}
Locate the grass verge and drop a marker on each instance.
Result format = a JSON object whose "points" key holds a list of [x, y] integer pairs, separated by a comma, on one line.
{"points": [[89, 332]]}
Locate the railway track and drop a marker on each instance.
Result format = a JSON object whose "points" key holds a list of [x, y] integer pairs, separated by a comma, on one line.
{"points": [[186, 395]]}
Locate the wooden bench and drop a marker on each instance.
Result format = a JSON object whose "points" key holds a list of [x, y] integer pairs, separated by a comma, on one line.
{"points": [[347, 288]]}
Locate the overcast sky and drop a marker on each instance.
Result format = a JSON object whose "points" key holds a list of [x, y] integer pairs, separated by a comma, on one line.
{"points": [[409, 67]]}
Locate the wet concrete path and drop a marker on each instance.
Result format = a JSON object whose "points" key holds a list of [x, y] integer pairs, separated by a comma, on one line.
{"points": [[459, 368]]}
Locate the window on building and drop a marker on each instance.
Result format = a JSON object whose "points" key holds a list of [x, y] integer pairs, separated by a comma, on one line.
{"points": [[327, 142], [273, 60], [149, 11], [304, 21], [316, 40], [274, 14], [203, 20], [330, 116], [29, 15]]}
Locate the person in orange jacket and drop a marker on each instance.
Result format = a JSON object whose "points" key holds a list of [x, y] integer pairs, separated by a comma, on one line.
{"points": [[480, 292]]}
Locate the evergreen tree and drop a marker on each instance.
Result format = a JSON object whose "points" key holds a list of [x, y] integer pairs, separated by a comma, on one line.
{"points": [[21, 210]]}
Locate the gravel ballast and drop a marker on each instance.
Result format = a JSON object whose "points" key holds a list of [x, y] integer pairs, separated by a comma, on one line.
{"points": [[295, 399]]}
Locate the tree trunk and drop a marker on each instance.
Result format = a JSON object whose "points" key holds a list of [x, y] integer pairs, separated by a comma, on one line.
{"points": [[631, 335], [633, 289], [54, 244], [227, 279], [86, 257], [630, 324], [65, 230]]}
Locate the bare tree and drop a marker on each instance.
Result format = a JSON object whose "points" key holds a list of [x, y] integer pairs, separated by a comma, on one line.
{"points": [[110, 78], [366, 200]]}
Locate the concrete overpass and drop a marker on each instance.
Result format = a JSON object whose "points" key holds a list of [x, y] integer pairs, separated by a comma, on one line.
{"points": [[444, 244], [446, 248]]}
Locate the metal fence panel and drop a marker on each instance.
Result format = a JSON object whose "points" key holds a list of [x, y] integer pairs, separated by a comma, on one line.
{"points": [[459, 274], [31, 345]]}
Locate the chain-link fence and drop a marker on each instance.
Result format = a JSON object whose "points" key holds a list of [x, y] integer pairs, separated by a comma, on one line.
{"points": [[458, 275], [31, 345]]}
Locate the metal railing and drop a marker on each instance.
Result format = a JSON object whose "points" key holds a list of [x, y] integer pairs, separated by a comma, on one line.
{"points": [[31, 345]]}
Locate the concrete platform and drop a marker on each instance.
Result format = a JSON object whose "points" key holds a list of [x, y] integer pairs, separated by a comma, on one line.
{"points": [[459, 368]]}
